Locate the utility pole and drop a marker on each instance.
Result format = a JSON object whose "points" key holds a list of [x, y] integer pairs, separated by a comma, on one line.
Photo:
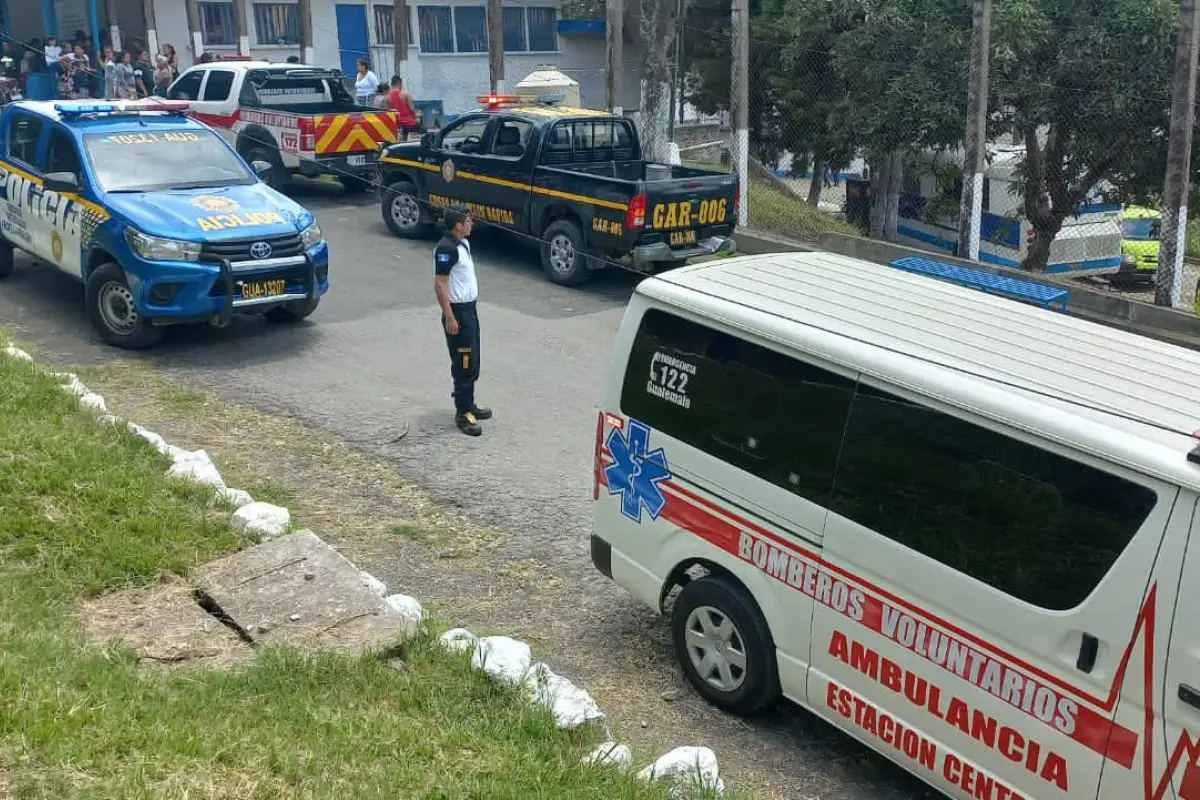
{"points": [[240, 15], [679, 29], [151, 28], [400, 37], [194, 30], [739, 104], [495, 23], [1179, 158], [306, 34], [970, 211], [114, 26], [614, 45]]}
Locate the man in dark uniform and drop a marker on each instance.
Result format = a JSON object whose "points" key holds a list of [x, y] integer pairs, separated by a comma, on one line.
{"points": [[457, 292]]}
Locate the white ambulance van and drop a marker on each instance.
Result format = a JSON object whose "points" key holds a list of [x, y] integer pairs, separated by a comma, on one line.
{"points": [[962, 529]]}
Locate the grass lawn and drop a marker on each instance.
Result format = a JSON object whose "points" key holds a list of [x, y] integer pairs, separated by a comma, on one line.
{"points": [[86, 508], [773, 211]]}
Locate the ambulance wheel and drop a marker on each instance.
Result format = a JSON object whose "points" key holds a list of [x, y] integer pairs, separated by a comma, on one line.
{"points": [[113, 312], [7, 257], [563, 254], [724, 645], [279, 178], [294, 311], [402, 211]]}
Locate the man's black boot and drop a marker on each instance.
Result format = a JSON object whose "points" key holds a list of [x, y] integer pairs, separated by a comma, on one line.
{"points": [[481, 413], [468, 424]]}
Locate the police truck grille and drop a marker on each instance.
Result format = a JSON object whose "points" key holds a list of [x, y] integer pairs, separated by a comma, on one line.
{"points": [[239, 249]]}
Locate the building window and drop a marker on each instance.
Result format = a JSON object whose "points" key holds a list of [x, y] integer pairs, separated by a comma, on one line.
{"points": [[217, 23], [277, 23], [514, 31], [437, 29], [470, 29], [543, 29], [385, 27], [464, 29], [530, 29]]}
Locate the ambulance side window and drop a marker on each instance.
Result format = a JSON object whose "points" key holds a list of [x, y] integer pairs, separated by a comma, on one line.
{"points": [[769, 414], [1036, 525], [23, 133]]}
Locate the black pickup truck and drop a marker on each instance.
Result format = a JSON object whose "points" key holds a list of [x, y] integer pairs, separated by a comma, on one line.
{"points": [[572, 178]]}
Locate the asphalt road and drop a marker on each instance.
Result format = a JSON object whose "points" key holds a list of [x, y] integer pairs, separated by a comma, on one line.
{"points": [[372, 359]]}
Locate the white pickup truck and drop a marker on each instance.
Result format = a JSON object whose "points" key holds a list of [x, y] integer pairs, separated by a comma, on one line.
{"points": [[297, 118]]}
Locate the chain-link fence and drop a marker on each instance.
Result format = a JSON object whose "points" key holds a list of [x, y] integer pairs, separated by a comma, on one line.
{"points": [[857, 115]]}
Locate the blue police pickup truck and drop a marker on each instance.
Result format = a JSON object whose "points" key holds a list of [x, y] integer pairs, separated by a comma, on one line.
{"points": [[162, 221]]}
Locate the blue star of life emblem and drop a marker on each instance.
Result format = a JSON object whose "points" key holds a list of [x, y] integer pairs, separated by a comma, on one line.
{"points": [[636, 474]]}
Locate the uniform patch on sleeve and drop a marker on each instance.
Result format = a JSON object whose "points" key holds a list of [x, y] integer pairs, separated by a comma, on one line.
{"points": [[445, 258]]}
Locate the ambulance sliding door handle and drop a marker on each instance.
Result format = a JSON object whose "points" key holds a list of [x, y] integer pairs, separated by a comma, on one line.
{"points": [[1088, 649], [1189, 695]]}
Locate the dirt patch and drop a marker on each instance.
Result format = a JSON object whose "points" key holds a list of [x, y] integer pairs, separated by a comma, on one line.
{"points": [[164, 626]]}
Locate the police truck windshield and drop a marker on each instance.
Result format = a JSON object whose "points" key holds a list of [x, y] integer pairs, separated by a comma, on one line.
{"points": [[151, 161]]}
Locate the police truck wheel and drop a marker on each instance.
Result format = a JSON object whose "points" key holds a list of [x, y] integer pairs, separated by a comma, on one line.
{"points": [[563, 255], [7, 257], [402, 211], [295, 311], [724, 646], [113, 313]]}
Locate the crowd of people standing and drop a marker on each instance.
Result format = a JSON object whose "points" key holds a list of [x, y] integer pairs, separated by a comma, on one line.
{"points": [[82, 73]]}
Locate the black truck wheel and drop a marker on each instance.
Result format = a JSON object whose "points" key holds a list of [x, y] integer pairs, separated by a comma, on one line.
{"points": [[113, 313], [563, 254], [401, 208]]}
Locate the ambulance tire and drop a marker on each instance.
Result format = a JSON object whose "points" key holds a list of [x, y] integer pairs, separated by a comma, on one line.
{"points": [[720, 599], [7, 257], [405, 219], [279, 178], [109, 304], [564, 254]]}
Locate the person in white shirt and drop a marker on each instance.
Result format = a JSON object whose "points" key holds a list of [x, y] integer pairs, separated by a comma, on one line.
{"points": [[53, 52], [457, 291], [366, 84]]}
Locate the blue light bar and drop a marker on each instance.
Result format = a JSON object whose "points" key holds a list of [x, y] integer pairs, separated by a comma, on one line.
{"points": [[94, 108]]}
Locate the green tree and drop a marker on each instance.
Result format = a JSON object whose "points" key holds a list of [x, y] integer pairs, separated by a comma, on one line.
{"points": [[1085, 86]]}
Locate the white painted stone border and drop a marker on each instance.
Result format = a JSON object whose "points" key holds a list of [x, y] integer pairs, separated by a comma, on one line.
{"points": [[502, 658]]}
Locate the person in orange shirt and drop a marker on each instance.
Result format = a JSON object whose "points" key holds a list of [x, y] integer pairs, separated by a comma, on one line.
{"points": [[400, 101]]}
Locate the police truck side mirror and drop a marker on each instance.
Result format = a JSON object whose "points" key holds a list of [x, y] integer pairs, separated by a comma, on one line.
{"points": [[427, 140], [61, 182], [262, 169]]}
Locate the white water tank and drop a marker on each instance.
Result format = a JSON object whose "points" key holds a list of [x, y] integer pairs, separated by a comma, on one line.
{"points": [[545, 84]]}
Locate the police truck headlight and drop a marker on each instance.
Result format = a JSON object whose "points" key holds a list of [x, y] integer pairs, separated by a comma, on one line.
{"points": [[311, 235], [156, 248]]}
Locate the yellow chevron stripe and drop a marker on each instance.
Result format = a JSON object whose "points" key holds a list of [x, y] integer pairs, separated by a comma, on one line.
{"points": [[331, 133], [381, 127], [472, 176], [356, 136]]}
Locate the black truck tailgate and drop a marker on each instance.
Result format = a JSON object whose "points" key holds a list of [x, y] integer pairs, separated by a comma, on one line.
{"points": [[681, 211]]}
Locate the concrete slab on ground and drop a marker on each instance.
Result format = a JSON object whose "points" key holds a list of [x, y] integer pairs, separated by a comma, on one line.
{"points": [[164, 625], [299, 591]]}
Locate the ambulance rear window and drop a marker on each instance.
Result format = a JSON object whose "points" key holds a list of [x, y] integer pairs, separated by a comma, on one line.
{"points": [[772, 415]]}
